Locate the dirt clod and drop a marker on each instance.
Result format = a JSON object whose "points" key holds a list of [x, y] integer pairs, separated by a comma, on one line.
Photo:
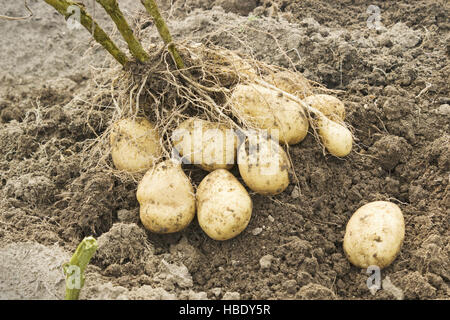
{"points": [[123, 243], [315, 291], [231, 296], [266, 261], [390, 151]]}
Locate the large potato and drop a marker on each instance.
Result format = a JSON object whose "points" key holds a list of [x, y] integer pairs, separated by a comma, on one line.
{"points": [[268, 109], [224, 207], [336, 138], [330, 106], [293, 83], [166, 198], [263, 165], [211, 145], [374, 234], [134, 145]]}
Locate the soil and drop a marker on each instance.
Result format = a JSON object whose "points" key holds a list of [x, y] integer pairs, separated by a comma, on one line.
{"points": [[393, 81]]}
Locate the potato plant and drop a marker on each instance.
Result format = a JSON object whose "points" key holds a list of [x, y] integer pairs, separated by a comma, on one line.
{"points": [[213, 107]]}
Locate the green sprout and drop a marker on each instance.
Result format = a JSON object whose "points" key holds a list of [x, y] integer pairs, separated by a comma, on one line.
{"points": [[74, 269]]}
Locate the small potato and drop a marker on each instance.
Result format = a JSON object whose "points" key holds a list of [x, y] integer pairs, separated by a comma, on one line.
{"points": [[263, 165], [330, 106], [234, 63], [335, 137], [135, 145], [224, 206], [223, 66], [211, 145], [293, 83], [374, 234], [268, 109], [166, 198]]}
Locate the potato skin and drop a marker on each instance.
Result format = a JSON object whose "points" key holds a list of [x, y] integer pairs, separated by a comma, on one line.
{"points": [[374, 235], [268, 109], [210, 145], [226, 67], [224, 206], [263, 165], [335, 137], [293, 83], [135, 145], [330, 106], [166, 198]]}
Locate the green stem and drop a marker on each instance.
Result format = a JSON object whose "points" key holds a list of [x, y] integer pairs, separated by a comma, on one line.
{"points": [[152, 9], [112, 8], [74, 269], [99, 35]]}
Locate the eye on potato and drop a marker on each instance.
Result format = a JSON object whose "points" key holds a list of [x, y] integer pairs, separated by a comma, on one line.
{"points": [[330, 106], [224, 207], [263, 165], [134, 145], [211, 145], [374, 234], [166, 198], [265, 108]]}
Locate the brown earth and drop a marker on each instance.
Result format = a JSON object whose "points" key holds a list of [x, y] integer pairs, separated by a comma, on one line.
{"points": [[394, 83]]}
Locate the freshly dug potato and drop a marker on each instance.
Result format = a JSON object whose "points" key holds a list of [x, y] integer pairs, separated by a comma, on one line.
{"points": [[166, 198], [374, 234], [224, 206], [293, 83], [330, 106], [263, 165], [211, 145], [336, 138], [268, 109], [134, 145], [235, 64]]}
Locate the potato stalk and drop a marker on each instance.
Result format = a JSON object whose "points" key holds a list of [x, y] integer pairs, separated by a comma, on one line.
{"points": [[74, 269], [152, 9], [86, 20], [112, 8]]}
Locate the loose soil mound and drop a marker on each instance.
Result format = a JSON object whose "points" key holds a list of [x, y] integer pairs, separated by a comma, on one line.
{"points": [[394, 83]]}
